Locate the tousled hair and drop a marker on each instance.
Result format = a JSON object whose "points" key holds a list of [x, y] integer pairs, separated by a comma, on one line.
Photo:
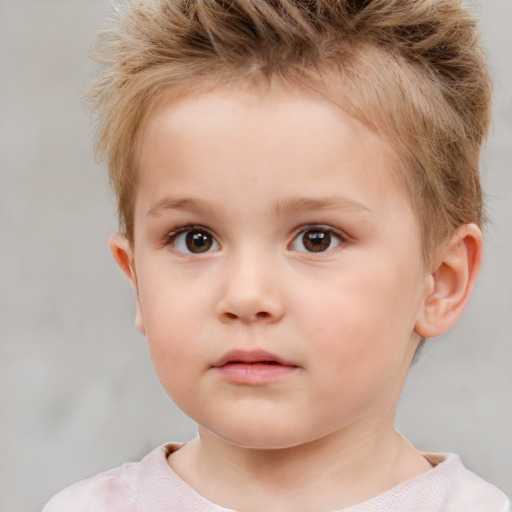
{"points": [[413, 70]]}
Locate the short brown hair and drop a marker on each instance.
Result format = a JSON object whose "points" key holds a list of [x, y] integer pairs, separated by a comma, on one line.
{"points": [[412, 69]]}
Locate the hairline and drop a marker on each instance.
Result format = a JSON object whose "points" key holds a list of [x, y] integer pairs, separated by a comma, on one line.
{"points": [[323, 82]]}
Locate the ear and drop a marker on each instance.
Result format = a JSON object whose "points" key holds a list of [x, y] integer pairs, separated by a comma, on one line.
{"points": [[122, 251], [456, 267]]}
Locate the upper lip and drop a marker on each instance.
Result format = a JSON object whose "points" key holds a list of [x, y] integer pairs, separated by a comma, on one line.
{"points": [[251, 356]]}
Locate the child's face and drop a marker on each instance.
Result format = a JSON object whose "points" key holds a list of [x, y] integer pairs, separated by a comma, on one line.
{"points": [[270, 230]]}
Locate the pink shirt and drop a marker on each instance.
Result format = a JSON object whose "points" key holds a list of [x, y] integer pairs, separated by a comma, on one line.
{"points": [[152, 486]]}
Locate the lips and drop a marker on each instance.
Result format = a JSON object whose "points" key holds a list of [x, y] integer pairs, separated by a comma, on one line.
{"points": [[251, 357], [253, 368]]}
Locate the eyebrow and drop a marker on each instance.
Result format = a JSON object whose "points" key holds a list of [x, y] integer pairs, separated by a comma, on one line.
{"points": [[304, 204], [188, 204], [283, 208]]}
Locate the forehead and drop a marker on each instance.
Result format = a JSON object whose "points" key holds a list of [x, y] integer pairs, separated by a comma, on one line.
{"points": [[252, 151], [275, 116], [304, 97]]}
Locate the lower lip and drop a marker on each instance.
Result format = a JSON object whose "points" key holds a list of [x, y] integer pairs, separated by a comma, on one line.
{"points": [[254, 373]]}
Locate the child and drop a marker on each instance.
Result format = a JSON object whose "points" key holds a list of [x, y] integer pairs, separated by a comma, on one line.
{"points": [[300, 208]]}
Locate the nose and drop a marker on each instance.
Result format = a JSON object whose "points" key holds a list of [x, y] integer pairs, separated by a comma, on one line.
{"points": [[250, 292]]}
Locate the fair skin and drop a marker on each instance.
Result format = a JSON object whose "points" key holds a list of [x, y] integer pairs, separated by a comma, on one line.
{"points": [[280, 284]]}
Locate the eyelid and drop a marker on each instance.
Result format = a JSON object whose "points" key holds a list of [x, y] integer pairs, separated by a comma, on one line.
{"points": [[171, 236], [319, 227], [183, 229]]}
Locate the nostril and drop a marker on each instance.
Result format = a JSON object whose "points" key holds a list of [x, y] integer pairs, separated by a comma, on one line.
{"points": [[263, 314], [231, 316]]}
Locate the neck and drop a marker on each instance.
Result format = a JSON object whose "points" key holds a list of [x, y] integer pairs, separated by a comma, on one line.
{"points": [[334, 472]]}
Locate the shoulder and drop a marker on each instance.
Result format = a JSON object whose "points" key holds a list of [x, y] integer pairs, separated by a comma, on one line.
{"points": [[98, 493], [146, 486], [468, 492], [460, 490], [447, 487], [112, 491]]}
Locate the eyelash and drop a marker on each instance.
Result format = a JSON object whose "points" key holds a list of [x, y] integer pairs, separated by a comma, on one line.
{"points": [[319, 228], [171, 237]]}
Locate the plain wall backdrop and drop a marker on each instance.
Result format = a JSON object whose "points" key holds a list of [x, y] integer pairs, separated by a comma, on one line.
{"points": [[77, 391]]}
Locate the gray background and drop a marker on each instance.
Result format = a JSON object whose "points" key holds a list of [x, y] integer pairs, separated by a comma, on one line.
{"points": [[77, 392]]}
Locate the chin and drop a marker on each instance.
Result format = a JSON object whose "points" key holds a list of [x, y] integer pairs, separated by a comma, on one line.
{"points": [[263, 437], [260, 442]]}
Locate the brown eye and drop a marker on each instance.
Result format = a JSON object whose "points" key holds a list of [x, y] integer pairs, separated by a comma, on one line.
{"points": [[315, 240], [192, 240], [198, 241]]}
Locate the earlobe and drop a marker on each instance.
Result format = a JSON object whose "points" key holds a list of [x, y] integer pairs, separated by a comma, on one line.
{"points": [[451, 282], [122, 251]]}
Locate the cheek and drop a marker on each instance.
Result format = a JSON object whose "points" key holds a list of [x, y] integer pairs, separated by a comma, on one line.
{"points": [[171, 306], [361, 325], [175, 324], [177, 358], [347, 310]]}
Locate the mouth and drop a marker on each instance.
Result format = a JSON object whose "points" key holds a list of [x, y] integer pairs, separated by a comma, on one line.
{"points": [[254, 367], [251, 357]]}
